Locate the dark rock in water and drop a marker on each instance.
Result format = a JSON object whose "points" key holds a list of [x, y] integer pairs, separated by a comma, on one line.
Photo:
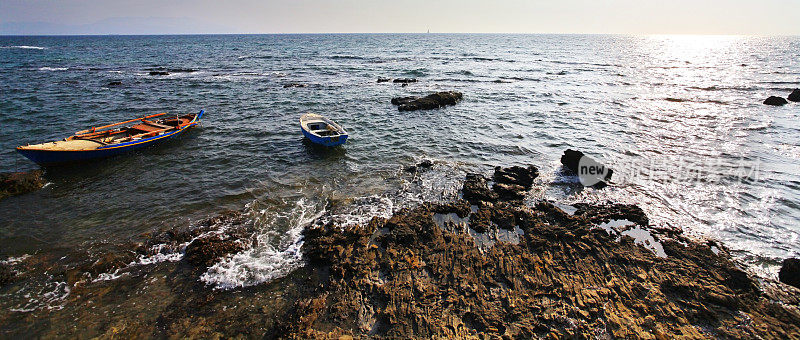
{"points": [[403, 100], [16, 183], [432, 101], [383, 80], [297, 85], [205, 251], [790, 272], [513, 183], [159, 73], [423, 165], [509, 191], [794, 96], [775, 101], [405, 80], [572, 160], [476, 189], [607, 212], [6, 275], [516, 175], [114, 83]]}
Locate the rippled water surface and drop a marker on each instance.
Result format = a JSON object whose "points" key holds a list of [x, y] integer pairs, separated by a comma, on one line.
{"points": [[679, 118]]}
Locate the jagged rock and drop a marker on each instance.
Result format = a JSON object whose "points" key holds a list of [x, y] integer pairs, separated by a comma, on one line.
{"points": [[423, 165], [405, 277], [461, 208], [17, 183], [476, 189], [432, 101], [516, 175], [159, 73], [383, 80], [794, 96], [606, 212], [405, 80], [403, 100], [790, 272], [6, 275], [205, 251], [775, 101], [571, 160]]}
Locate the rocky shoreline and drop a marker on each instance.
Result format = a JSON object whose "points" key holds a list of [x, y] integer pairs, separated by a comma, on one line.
{"points": [[486, 265]]}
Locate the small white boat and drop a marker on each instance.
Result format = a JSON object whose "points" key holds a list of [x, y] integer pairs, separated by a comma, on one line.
{"points": [[321, 130]]}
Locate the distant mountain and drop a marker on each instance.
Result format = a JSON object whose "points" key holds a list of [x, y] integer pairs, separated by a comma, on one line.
{"points": [[125, 25]]}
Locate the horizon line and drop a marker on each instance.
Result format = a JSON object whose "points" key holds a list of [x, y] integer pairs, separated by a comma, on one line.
{"points": [[386, 33]]}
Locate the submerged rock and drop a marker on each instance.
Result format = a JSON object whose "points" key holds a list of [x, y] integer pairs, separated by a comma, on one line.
{"points": [[423, 165], [205, 251], [432, 101], [294, 85], [794, 96], [159, 73], [114, 83], [573, 160], [6, 275], [17, 183], [790, 272], [775, 101], [383, 80]]}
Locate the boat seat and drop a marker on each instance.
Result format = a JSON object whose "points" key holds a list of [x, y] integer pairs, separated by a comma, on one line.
{"points": [[146, 127], [160, 126]]}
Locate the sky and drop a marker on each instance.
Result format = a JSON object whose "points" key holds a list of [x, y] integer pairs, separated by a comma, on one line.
{"points": [[764, 17]]}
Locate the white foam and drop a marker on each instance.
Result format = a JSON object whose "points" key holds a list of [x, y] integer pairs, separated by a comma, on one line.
{"points": [[46, 68], [41, 294], [26, 47], [276, 255], [15, 260]]}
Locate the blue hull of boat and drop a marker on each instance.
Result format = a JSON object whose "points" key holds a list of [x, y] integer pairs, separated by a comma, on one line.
{"points": [[326, 141], [49, 157]]}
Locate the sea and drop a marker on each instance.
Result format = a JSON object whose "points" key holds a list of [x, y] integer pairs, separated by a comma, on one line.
{"points": [[679, 119]]}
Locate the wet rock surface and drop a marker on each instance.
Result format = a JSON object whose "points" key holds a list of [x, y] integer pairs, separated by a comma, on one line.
{"points": [[404, 80], [412, 276], [422, 165], [432, 101], [775, 101], [204, 252], [17, 183], [790, 272], [571, 160], [407, 277], [6, 275], [794, 96]]}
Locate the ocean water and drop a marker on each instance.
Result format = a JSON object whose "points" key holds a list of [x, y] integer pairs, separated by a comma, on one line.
{"points": [[678, 118]]}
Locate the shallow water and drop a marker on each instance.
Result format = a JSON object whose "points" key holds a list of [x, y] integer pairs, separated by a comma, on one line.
{"points": [[679, 119]]}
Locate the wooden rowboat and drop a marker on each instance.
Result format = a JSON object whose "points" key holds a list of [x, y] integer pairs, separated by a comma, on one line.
{"points": [[321, 130], [110, 140]]}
